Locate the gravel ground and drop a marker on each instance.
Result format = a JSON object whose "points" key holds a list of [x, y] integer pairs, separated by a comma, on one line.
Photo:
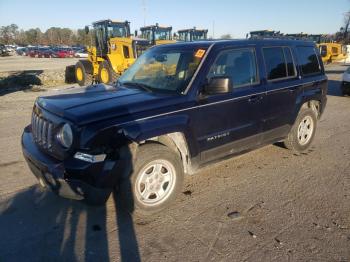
{"points": [[21, 63], [266, 205]]}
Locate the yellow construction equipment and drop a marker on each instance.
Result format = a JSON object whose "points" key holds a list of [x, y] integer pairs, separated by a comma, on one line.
{"points": [[192, 34], [157, 35], [332, 52], [111, 52]]}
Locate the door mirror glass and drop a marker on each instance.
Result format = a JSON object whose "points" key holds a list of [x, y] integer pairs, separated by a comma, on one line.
{"points": [[218, 85]]}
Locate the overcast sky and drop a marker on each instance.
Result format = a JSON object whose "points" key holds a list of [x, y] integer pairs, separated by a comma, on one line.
{"points": [[225, 16]]}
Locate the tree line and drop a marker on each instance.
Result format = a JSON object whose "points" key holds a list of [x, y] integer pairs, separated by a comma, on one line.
{"points": [[12, 34]]}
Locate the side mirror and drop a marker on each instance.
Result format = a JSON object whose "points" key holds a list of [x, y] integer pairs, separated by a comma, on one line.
{"points": [[218, 85], [161, 58], [86, 29]]}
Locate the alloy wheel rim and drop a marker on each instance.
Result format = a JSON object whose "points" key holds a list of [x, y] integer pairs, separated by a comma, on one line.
{"points": [[155, 182], [305, 130]]}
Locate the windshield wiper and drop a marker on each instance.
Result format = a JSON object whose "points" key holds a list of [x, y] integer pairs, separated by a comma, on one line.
{"points": [[139, 85]]}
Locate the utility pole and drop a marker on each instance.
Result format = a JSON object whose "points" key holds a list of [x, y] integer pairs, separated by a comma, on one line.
{"points": [[144, 12], [213, 29], [346, 26]]}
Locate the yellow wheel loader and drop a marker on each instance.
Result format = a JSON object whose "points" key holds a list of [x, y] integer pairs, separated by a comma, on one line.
{"points": [[192, 34], [332, 52], [112, 51], [157, 35]]}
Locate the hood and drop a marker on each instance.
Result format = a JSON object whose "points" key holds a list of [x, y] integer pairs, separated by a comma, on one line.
{"points": [[84, 105]]}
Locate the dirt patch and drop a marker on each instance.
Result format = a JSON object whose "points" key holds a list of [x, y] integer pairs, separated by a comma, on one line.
{"points": [[31, 80]]}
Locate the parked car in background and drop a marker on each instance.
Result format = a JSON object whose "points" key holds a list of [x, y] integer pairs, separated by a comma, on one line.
{"points": [[22, 51], [29, 50], [3, 50], [33, 52], [43, 52], [63, 52], [82, 53], [345, 86]]}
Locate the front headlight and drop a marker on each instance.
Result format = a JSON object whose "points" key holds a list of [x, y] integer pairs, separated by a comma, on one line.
{"points": [[65, 136]]}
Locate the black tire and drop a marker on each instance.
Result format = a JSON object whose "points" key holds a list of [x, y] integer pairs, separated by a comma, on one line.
{"points": [[147, 155], [293, 141], [345, 89], [86, 77], [112, 76]]}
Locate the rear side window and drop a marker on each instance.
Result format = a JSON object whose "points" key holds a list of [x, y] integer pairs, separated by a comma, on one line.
{"points": [[279, 62], [237, 64], [308, 60]]}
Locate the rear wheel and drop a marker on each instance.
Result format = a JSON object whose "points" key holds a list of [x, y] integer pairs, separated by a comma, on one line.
{"points": [[106, 74], [303, 131], [81, 76]]}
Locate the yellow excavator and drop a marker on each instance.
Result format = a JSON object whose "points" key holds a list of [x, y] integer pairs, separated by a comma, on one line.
{"points": [[112, 51], [192, 34], [157, 35]]}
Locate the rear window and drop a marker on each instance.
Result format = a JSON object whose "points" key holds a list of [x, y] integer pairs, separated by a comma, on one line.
{"points": [[308, 60], [279, 62]]}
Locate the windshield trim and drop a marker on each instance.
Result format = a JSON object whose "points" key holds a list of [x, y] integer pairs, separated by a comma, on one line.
{"points": [[185, 91]]}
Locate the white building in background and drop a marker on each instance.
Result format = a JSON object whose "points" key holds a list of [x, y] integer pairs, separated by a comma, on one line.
{"points": [[347, 60]]}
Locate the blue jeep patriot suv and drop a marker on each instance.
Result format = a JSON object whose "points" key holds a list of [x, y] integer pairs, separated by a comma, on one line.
{"points": [[178, 108]]}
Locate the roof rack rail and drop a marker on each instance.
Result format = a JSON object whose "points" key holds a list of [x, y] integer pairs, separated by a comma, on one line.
{"points": [[271, 34]]}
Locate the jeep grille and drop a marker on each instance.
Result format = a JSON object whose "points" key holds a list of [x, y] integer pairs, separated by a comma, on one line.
{"points": [[42, 131]]}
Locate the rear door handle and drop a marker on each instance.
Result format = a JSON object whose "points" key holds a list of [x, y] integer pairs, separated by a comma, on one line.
{"points": [[254, 99]]}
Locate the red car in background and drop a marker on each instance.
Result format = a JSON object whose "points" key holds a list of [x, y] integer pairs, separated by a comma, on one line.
{"points": [[64, 52]]}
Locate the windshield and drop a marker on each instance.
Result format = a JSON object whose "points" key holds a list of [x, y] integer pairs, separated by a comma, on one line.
{"points": [[162, 35], [164, 69], [159, 34], [116, 30], [184, 36], [199, 35]]}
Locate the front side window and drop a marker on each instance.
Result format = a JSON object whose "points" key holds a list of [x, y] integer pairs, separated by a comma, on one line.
{"points": [[164, 69], [308, 60], [279, 62], [239, 65], [335, 50]]}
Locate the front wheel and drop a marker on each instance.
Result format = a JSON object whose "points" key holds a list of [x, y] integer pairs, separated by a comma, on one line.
{"points": [[156, 178], [106, 73], [303, 131], [82, 77]]}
